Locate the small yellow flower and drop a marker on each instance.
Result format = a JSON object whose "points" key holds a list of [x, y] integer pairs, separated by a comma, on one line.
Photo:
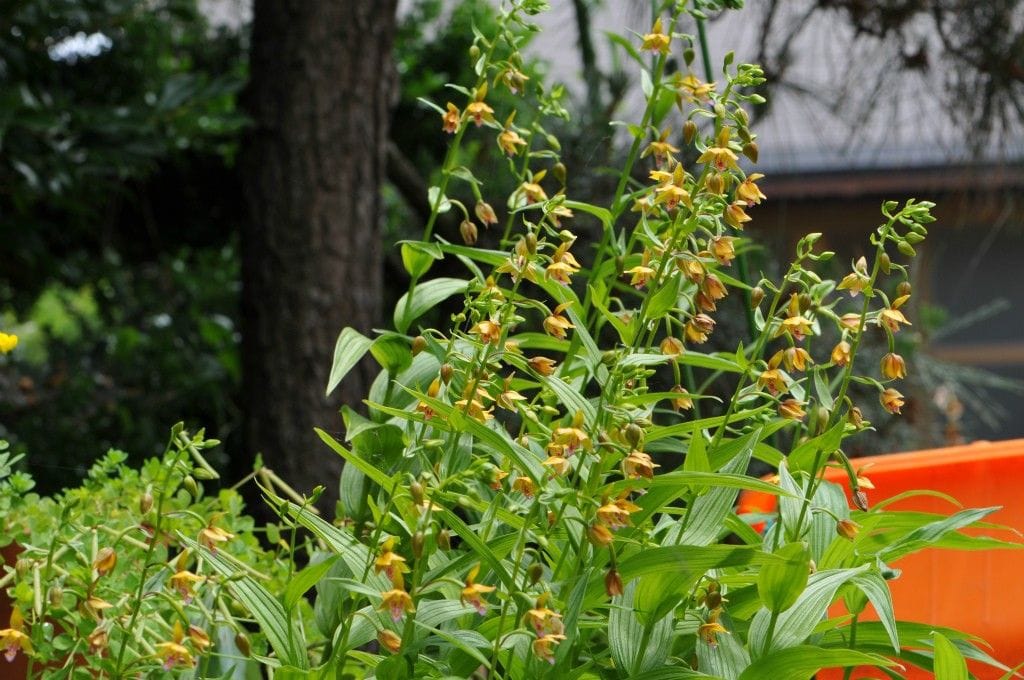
{"points": [[693, 88], [683, 402], [488, 331], [848, 529], [8, 341], [692, 268], [451, 119], [211, 536], [748, 190], [200, 638], [723, 249], [796, 359], [616, 514], [558, 465], [709, 632], [105, 561], [893, 366], [797, 326], [389, 640], [98, 640], [699, 328], [671, 195], [555, 324], [473, 592], [713, 287], [542, 365], [599, 535], [722, 158], [184, 582], [891, 318], [841, 353], [571, 438], [792, 409], [397, 602], [638, 464], [735, 216], [891, 400], [13, 640], [509, 140], [542, 646], [475, 409], [656, 40], [672, 347], [485, 213], [661, 149], [641, 274], [772, 380], [480, 112], [389, 561], [523, 485], [542, 619], [173, 653]]}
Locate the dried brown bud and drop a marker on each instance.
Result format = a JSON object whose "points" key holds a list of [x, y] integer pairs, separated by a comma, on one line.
{"points": [[613, 583], [860, 499]]}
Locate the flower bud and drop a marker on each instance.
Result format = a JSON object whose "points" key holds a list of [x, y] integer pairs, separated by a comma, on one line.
{"points": [[242, 642], [105, 561], [906, 249], [599, 535], [469, 232], [633, 434], [689, 131], [860, 499], [56, 596], [713, 600], [389, 640], [190, 484], [535, 573], [416, 491], [613, 583], [885, 263], [893, 366], [750, 151], [474, 52], [419, 343], [848, 529], [558, 170], [444, 540], [417, 544], [716, 183], [22, 567], [903, 288], [485, 213], [672, 347], [145, 502], [446, 373], [756, 296], [689, 55], [791, 409]]}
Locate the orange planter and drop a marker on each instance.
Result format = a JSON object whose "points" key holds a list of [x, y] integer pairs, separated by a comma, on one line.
{"points": [[978, 592]]}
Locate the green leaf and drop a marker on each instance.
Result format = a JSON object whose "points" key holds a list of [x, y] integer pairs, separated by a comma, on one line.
{"points": [[306, 579], [284, 636], [348, 350], [418, 257], [364, 466], [425, 296], [877, 591], [821, 387], [477, 545], [436, 198], [800, 663], [600, 213], [392, 352], [726, 659], [782, 581], [930, 533], [573, 401], [949, 662], [624, 329], [664, 299], [797, 623], [630, 648], [697, 454]]}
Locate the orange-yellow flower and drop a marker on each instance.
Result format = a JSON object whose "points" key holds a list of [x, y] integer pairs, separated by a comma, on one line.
{"points": [[797, 326], [487, 331], [105, 561], [389, 640], [848, 529], [451, 119], [709, 632], [638, 464], [397, 602], [599, 535], [796, 359], [735, 216], [841, 353], [473, 592], [723, 249], [683, 401], [524, 485], [772, 380], [671, 195], [485, 213], [693, 88], [555, 324], [699, 328], [749, 191], [13, 639], [657, 40], [891, 400], [791, 409], [722, 158], [891, 318], [615, 515], [184, 582], [173, 653], [613, 583], [672, 347], [558, 465], [713, 287], [509, 140], [543, 365], [479, 111], [542, 619], [661, 149], [571, 438], [543, 646], [211, 536], [389, 561], [893, 366]]}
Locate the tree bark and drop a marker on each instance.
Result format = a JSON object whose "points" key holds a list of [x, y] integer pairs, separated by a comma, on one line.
{"points": [[321, 89]]}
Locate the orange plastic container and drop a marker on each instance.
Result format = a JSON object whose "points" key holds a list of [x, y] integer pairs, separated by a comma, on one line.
{"points": [[978, 592]]}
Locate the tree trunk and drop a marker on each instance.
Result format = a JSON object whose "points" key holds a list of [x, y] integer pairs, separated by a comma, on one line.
{"points": [[320, 94]]}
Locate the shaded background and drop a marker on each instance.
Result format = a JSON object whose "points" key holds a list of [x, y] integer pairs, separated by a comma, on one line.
{"points": [[125, 128]]}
